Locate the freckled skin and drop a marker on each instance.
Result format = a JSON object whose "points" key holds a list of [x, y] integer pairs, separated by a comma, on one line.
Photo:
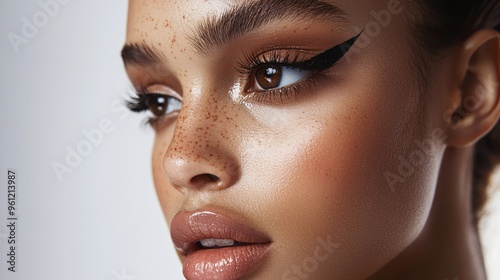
{"points": [[313, 167]]}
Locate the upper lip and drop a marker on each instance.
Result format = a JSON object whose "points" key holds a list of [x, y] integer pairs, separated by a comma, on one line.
{"points": [[188, 228]]}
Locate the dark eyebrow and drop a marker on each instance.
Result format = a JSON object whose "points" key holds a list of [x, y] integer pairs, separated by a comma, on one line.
{"points": [[141, 54], [246, 17]]}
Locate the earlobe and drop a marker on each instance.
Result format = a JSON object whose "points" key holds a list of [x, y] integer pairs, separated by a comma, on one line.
{"points": [[478, 108]]}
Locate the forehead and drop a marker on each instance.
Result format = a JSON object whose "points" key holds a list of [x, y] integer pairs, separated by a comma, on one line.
{"points": [[145, 17], [173, 18]]}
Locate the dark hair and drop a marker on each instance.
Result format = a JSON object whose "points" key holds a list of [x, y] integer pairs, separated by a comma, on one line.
{"points": [[443, 24]]}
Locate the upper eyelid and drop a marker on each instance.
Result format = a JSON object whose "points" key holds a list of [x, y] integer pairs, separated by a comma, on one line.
{"points": [[276, 57], [172, 93], [147, 77], [313, 63]]}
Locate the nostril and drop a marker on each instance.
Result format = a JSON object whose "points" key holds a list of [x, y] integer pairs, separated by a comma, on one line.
{"points": [[204, 179]]}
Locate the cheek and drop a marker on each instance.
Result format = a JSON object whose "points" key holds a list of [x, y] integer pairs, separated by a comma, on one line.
{"points": [[327, 180]]}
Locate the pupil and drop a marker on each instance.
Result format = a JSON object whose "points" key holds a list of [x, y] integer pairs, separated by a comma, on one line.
{"points": [[269, 77]]}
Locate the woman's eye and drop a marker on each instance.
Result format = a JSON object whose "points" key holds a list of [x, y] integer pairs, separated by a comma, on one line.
{"points": [[160, 104], [270, 77]]}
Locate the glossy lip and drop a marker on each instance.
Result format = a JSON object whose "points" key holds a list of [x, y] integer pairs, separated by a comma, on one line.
{"points": [[188, 228]]}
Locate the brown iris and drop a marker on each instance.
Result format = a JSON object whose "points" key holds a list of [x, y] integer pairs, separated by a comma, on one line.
{"points": [[158, 105], [269, 76]]}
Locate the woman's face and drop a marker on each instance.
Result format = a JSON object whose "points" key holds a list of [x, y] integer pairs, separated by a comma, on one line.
{"points": [[315, 173]]}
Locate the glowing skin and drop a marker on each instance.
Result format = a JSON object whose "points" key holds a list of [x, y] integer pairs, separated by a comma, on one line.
{"points": [[312, 166]]}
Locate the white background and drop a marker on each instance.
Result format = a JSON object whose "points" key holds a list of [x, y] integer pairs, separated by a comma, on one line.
{"points": [[102, 220]]}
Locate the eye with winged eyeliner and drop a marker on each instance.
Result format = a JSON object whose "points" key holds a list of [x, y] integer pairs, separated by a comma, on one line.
{"points": [[279, 75]]}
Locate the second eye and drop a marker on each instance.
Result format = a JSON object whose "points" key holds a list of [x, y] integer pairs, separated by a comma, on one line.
{"points": [[160, 104]]}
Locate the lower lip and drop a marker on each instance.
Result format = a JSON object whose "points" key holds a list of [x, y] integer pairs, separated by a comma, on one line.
{"points": [[224, 263]]}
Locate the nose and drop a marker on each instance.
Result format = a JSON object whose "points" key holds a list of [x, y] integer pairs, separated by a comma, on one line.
{"points": [[199, 156]]}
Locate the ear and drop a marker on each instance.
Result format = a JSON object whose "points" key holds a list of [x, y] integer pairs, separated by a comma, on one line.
{"points": [[476, 97]]}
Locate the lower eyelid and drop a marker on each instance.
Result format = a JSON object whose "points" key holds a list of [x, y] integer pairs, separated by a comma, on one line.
{"points": [[161, 122], [286, 94]]}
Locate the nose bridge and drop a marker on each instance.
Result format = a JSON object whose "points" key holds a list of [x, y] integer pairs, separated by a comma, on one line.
{"points": [[200, 155]]}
